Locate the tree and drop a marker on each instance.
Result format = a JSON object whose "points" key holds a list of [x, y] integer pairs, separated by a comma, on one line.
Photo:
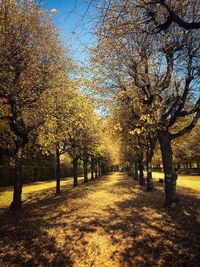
{"points": [[82, 139], [30, 58]]}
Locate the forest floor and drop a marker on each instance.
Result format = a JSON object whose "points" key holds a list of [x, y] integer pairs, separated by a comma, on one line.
{"points": [[108, 222]]}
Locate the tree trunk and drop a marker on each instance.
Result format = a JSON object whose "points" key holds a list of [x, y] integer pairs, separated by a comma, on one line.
{"points": [[179, 165], [133, 170], [141, 173], [99, 169], [17, 194], [75, 175], [85, 167], [129, 168], [136, 171], [96, 170], [92, 168], [57, 171], [186, 165], [149, 167], [170, 174]]}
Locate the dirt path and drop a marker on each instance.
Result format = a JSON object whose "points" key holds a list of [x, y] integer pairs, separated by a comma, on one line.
{"points": [[108, 222]]}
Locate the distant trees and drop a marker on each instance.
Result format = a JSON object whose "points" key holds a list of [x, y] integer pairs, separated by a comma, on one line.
{"points": [[186, 149]]}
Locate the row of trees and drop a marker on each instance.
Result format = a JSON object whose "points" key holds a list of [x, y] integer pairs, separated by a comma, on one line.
{"points": [[42, 107], [186, 149], [153, 78]]}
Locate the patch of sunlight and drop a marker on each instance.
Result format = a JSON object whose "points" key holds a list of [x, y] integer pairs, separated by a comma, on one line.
{"points": [[192, 182], [187, 181], [98, 253], [6, 193]]}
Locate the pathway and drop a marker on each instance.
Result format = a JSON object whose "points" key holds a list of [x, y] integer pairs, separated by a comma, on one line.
{"points": [[108, 222]]}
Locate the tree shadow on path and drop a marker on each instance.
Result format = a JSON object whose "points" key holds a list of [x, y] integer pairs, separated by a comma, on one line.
{"points": [[108, 222]]}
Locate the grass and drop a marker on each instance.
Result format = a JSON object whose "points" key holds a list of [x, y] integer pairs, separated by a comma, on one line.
{"points": [[28, 191], [184, 180], [109, 222]]}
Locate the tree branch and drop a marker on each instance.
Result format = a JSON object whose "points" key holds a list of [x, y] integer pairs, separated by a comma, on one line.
{"points": [[187, 128]]}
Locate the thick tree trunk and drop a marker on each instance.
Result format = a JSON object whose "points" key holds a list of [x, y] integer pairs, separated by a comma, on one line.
{"points": [[92, 168], [75, 168], [57, 171], [17, 194], [141, 173], [170, 175], [85, 167]]}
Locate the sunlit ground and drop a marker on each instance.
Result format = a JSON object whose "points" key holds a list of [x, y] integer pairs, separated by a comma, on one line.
{"points": [[184, 180], [28, 191], [108, 222]]}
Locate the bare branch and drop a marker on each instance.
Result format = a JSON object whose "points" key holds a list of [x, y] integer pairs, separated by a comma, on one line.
{"points": [[188, 128]]}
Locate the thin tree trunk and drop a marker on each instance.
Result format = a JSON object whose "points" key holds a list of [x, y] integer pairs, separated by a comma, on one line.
{"points": [[149, 167], [96, 170], [133, 170], [75, 175], [58, 176], [170, 174], [85, 167], [17, 194], [92, 168], [179, 165]]}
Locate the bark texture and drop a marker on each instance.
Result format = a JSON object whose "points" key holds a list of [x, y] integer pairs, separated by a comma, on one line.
{"points": [[85, 166], [170, 174], [75, 171], [136, 177], [58, 176], [17, 194], [92, 167], [141, 173], [150, 148]]}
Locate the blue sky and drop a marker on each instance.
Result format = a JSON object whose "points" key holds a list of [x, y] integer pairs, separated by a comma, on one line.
{"points": [[74, 19]]}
